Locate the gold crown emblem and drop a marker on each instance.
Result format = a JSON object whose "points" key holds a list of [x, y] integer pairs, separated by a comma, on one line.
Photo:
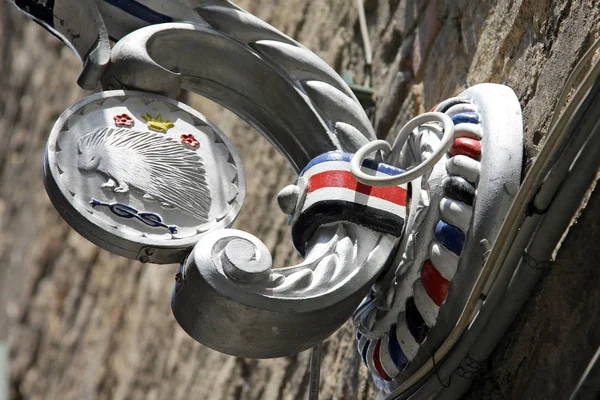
{"points": [[157, 123]]}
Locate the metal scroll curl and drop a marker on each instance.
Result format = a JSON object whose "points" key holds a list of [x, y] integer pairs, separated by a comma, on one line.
{"points": [[230, 298]]}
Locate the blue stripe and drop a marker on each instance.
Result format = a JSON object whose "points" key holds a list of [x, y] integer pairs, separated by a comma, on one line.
{"points": [[467, 117], [140, 11], [396, 353], [340, 156], [450, 236]]}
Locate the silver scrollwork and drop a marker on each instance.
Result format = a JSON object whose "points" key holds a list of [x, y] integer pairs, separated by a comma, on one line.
{"points": [[303, 107]]}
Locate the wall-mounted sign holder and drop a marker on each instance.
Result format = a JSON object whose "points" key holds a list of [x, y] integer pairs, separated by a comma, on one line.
{"points": [[413, 239]]}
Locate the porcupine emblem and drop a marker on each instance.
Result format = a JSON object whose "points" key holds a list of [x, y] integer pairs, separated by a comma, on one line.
{"points": [[156, 165]]}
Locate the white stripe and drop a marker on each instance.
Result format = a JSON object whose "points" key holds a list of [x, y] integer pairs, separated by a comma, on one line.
{"points": [[409, 345], [468, 129], [385, 358], [445, 261], [456, 213], [425, 304], [335, 193], [461, 108], [328, 166], [465, 167]]}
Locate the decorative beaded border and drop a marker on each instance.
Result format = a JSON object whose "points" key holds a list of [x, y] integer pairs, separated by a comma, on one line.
{"points": [[389, 354]]}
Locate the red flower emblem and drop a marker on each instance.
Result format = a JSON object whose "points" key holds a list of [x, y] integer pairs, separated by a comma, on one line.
{"points": [[124, 120], [190, 140]]}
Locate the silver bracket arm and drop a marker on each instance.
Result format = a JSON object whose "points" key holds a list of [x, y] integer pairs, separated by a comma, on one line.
{"points": [[229, 297]]}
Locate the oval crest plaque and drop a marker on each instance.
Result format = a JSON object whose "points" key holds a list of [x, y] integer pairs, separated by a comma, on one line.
{"points": [[142, 175]]}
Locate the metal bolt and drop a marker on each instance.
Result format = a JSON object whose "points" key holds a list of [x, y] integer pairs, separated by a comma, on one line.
{"points": [[287, 199], [4, 370], [241, 262], [144, 259], [149, 251]]}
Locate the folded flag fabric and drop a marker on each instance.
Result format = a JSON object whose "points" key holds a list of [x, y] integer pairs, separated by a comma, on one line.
{"points": [[332, 194]]}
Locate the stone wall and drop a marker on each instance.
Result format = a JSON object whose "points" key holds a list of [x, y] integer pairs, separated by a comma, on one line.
{"points": [[84, 324]]}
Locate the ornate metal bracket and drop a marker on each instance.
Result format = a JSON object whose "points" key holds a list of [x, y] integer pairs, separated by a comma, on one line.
{"points": [[304, 109], [300, 105], [107, 157]]}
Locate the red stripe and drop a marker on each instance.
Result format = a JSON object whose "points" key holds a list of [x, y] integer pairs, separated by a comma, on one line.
{"points": [[345, 179], [435, 284], [377, 363], [466, 146]]}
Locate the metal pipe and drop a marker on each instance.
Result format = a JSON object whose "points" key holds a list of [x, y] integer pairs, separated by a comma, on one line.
{"points": [[4, 371], [315, 372], [364, 31], [588, 387]]}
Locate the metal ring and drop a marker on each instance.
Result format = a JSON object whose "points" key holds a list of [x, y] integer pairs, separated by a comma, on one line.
{"points": [[394, 152], [281, 311]]}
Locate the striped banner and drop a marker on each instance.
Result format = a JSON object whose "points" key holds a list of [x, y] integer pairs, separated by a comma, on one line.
{"points": [[333, 194]]}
